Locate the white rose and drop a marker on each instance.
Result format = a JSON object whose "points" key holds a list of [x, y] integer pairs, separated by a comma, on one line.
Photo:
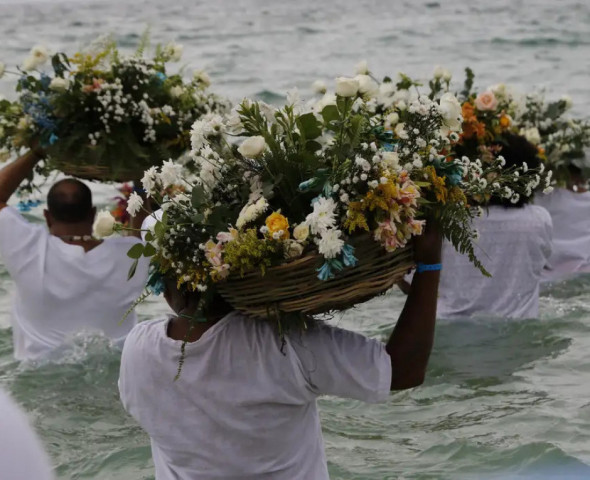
{"points": [[565, 98], [202, 77], [362, 68], [367, 85], [2, 69], [438, 72], [301, 232], [29, 64], [391, 119], [59, 84], [319, 87], [40, 54], [176, 91], [346, 87], [252, 147], [293, 249], [532, 135], [104, 224], [451, 111], [447, 75]]}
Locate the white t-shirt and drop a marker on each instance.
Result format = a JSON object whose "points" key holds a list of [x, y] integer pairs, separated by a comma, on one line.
{"points": [[514, 247], [241, 408], [21, 455], [570, 213], [62, 290]]}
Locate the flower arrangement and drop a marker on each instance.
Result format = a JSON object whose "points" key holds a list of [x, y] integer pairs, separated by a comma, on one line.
{"points": [[561, 140], [102, 115], [423, 131], [359, 170]]}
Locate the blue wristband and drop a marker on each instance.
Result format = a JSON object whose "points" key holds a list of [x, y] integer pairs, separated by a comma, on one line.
{"points": [[425, 267]]}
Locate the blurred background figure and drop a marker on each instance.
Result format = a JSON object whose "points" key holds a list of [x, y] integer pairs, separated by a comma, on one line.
{"points": [[514, 246], [21, 454]]}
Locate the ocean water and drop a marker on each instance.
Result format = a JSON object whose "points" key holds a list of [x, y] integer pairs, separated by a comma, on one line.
{"points": [[503, 399]]}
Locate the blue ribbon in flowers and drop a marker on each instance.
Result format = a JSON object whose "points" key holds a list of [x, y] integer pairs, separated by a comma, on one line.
{"points": [[28, 205], [53, 138], [161, 77], [348, 257], [155, 284], [328, 270]]}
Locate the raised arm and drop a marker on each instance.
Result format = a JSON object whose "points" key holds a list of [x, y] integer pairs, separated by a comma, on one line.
{"points": [[411, 342], [12, 175]]}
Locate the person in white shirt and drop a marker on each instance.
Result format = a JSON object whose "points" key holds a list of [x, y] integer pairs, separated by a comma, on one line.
{"points": [[244, 406], [21, 454], [514, 246], [65, 280], [569, 209]]}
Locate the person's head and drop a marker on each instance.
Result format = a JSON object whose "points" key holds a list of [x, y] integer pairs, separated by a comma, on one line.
{"points": [[69, 203], [516, 150], [183, 302]]}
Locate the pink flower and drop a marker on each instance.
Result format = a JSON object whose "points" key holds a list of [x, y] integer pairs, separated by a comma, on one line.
{"points": [[486, 101], [96, 85], [408, 194], [387, 235], [224, 237], [416, 226]]}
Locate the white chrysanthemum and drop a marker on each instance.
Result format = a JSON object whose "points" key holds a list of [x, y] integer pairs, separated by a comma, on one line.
{"points": [[362, 164], [134, 204], [326, 100], [176, 91], [330, 244], [171, 174], [206, 127], [323, 216], [251, 212], [149, 181], [174, 51]]}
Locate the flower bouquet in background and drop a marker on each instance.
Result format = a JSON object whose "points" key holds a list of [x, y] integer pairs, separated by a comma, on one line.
{"points": [[420, 133], [105, 116], [560, 139], [119, 210]]}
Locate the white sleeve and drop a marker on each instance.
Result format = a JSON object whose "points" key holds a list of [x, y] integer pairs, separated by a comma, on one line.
{"points": [[343, 363], [19, 240], [21, 452]]}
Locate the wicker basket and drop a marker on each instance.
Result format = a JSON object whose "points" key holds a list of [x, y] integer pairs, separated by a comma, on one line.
{"points": [[294, 287], [98, 171]]}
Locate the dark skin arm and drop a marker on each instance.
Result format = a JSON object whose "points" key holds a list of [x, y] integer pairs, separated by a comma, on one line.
{"points": [[411, 342], [13, 174]]}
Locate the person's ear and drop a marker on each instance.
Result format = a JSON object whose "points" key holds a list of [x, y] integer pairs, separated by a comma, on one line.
{"points": [[48, 218]]}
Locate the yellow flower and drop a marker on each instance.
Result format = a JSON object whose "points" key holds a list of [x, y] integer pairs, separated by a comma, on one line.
{"points": [[438, 184], [505, 122], [277, 224], [355, 218]]}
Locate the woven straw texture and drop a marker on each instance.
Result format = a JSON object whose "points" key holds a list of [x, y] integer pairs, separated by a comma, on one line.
{"points": [[97, 171], [294, 287]]}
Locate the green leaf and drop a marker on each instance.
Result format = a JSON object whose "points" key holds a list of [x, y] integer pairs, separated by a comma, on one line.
{"points": [[330, 113], [313, 146], [136, 251], [198, 196], [160, 230], [149, 237], [219, 217], [132, 269], [149, 250], [309, 126]]}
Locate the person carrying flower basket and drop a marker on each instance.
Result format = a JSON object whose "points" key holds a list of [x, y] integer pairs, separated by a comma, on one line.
{"points": [[67, 278], [320, 207]]}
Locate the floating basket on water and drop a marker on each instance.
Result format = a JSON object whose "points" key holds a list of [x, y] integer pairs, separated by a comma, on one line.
{"points": [[295, 287]]}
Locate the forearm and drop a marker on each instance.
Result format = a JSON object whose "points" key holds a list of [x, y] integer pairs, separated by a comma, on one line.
{"points": [[14, 173], [411, 342]]}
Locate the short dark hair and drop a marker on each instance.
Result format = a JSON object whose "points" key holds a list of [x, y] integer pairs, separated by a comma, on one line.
{"points": [[516, 150], [70, 201]]}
